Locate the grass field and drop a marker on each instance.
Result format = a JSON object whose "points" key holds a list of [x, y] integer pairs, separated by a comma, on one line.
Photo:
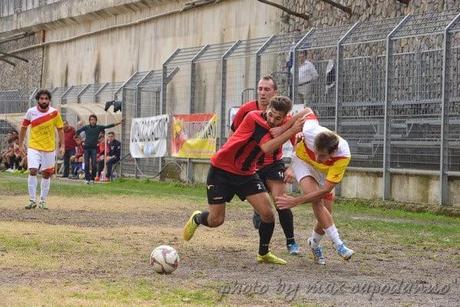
{"points": [[92, 248]]}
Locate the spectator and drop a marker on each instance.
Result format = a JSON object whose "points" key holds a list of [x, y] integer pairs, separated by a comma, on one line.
{"points": [[114, 153], [69, 134], [90, 148], [307, 73], [77, 159], [101, 151]]}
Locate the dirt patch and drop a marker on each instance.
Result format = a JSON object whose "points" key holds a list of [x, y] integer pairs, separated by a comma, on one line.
{"points": [[223, 260]]}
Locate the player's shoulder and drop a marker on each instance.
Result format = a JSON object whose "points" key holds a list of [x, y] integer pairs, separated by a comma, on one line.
{"points": [[343, 148], [53, 110], [32, 109], [250, 106], [255, 115]]}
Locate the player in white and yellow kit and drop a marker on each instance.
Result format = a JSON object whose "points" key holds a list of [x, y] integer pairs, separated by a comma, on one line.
{"points": [[319, 163], [41, 149]]}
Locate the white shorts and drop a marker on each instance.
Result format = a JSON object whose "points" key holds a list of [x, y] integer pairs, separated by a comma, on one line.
{"points": [[40, 159], [302, 169]]}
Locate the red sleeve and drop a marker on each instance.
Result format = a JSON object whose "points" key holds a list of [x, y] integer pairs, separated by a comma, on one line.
{"points": [[25, 122], [238, 119]]}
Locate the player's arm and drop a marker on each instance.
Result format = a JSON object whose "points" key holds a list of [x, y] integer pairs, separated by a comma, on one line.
{"points": [[278, 141], [77, 133], [61, 140], [286, 201], [22, 133], [279, 130]]}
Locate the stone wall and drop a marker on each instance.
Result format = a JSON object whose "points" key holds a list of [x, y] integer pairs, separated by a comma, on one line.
{"points": [[323, 14], [24, 76]]}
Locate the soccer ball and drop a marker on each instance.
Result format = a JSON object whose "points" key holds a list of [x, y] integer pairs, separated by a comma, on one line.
{"points": [[164, 259]]}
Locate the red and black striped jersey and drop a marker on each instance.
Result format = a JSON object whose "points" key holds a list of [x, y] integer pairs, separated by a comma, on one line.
{"points": [[265, 159], [241, 152], [247, 107]]}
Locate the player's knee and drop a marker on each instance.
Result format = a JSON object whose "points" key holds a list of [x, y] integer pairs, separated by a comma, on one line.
{"points": [[267, 217]]}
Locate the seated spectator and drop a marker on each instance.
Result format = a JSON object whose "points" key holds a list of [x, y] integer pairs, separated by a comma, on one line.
{"points": [[76, 160], [114, 153], [101, 151]]}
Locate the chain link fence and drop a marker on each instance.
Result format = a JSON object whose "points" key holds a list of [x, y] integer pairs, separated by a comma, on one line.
{"points": [[390, 87]]}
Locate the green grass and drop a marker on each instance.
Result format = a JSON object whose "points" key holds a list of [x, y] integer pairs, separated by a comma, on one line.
{"points": [[17, 184]]}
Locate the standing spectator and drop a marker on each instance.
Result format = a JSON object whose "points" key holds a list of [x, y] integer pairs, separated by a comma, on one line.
{"points": [[114, 153], [90, 148], [44, 120], [69, 134], [307, 73]]}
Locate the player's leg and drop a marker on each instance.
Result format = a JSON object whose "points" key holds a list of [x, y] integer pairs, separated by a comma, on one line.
{"points": [[324, 221], [47, 170], [262, 204], [33, 162], [278, 188], [219, 191]]}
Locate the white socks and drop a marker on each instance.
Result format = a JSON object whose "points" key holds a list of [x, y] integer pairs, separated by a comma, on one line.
{"points": [[333, 234], [45, 187], [315, 239], [32, 185]]}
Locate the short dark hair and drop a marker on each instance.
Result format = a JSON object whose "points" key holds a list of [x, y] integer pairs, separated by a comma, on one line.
{"points": [[42, 92], [111, 132], [93, 116], [328, 141], [270, 78], [281, 104]]}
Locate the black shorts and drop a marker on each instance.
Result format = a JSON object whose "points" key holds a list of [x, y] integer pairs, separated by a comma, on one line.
{"points": [[274, 171], [223, 185]]}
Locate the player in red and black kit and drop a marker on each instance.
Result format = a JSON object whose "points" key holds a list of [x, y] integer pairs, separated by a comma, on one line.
{"points": [[233, 171], [270, 167]]}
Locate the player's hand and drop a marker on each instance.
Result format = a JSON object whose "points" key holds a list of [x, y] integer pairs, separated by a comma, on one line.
{"points": [[276, 131], [285, 202], [297, 126], [299, 137], [288, 175], [22, 150]]}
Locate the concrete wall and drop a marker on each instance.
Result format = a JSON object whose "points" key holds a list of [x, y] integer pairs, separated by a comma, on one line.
{"points": [[423, 189], [115, 55]]}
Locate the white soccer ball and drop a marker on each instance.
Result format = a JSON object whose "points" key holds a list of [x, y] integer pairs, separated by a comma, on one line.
{"points": [[164, 259]]}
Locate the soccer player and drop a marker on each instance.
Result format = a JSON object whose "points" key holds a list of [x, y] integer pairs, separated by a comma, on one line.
{"points": [[319, 164], [41, 149], [270, 167], [233, 171]]}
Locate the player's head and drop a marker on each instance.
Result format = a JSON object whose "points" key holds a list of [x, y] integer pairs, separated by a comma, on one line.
{"points": [[43, 98], [277, 110], [66, 125], [326, 143], [92, 119], [266, 89]]}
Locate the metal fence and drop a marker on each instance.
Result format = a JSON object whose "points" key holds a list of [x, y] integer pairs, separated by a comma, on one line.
{"points": [[390, 87]]}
